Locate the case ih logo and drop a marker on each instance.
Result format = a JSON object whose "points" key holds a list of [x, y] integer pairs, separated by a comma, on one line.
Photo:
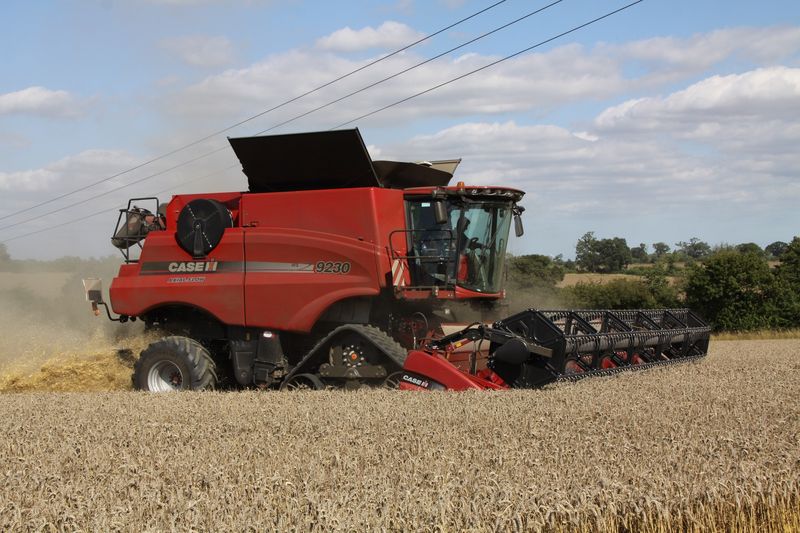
{"points": [[193, 266], [160, 268], [416, 381]]}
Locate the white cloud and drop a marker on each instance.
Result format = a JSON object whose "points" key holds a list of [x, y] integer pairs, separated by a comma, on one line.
{"points": [[201, 50], [196, 3], [390, 34], [182, 2], [670, 58], [607, 176], [539, 82], [749, 113], [586, 136], [21, 189], [536, 81], [66, 173], [27, 180], [773, 91], [14, 140], [39, 101]]}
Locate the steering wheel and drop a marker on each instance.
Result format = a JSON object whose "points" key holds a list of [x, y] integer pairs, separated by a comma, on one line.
{"points": [[474, 244]]}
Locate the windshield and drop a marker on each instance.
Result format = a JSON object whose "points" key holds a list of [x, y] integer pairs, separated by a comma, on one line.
{"points": [[468, 249]]}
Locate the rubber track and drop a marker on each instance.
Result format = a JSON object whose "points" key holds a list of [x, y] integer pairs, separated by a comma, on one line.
{"points": [[626, 368], [390, 348]]}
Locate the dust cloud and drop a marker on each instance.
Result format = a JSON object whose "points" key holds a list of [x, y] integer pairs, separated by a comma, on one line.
{"points": [[51, 341]]}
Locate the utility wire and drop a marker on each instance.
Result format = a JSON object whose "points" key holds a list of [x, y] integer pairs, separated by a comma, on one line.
{"points": [[398, 102], [493, 63], [296, 117], [434, 58], [98, 213], [262, 113], [106, 193]]}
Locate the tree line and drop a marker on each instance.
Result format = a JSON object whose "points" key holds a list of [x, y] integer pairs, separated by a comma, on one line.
{"points": [[614, 254], [735, 287]]}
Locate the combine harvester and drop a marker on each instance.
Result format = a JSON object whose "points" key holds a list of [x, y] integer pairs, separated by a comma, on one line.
{"points": [[335, 270]]}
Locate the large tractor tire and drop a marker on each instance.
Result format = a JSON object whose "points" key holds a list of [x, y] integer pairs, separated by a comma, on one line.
{"points": [[174, 363]]}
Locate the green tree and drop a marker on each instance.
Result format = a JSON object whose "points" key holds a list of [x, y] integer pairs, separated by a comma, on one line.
{"points": [[695, 248], [660, 249], [616, 294], [639, 253], [614, 253], [776, 249], [586, 255], [788, 274], [653, 291], [749, 247], [534, 271], [789, 269], [738, 291], [602, 255], [567, 264], [664, 293]]}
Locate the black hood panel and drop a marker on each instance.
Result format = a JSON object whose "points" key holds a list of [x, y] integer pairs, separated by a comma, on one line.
{"points": [[399, 175], [327, 160], [305, 161]]}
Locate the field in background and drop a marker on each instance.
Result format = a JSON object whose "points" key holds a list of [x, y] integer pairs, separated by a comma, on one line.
{"points": [[571, 279], [757, 335], [705, 446]]}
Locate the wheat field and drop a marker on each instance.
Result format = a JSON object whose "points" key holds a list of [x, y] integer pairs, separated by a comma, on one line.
{"points": [[708, 446]]}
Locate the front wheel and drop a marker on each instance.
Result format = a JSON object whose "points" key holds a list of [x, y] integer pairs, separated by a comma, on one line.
{"points": [[392, 381], [303, 382], [174, 363]]}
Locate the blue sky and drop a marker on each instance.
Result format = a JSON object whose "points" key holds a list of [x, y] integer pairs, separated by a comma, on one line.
{"points": [[667, 121]]}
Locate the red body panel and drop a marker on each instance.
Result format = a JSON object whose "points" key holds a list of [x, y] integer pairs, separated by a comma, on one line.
{"points": [[284, 291], [437, 368], [266, 273], [138, 289], [288, 236]]}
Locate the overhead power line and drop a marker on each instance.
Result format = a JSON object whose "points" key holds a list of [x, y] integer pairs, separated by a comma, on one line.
{"points": [[106, 193], [493, 63], [257, 115], [400, 73], [116, 208], [296, 117], [393, 104]]}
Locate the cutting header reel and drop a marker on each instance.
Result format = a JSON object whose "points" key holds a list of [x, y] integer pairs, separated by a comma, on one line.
{"points": [[537, 347]]}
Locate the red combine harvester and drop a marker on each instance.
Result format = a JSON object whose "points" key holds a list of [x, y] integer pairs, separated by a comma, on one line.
{"points": [[334, 270]]}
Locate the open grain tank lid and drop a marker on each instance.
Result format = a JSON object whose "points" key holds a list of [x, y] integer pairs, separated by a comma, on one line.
{"points": [[325, 160]]}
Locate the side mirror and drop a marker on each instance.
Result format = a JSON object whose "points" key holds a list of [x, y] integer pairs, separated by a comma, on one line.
{"points": [[518, 229], [94, 293], [440, 212]]}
